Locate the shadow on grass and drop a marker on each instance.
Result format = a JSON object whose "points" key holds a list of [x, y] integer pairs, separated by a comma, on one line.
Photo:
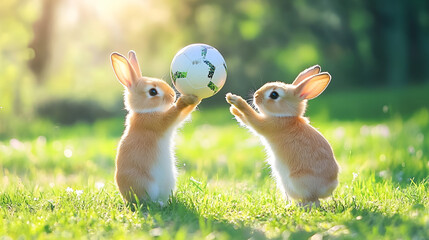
{"points": [[367, 223], [178, 219], [366, 220]]}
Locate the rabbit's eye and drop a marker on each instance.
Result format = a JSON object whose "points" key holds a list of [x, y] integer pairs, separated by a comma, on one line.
{"points": [[274, 95], [153, 92]]}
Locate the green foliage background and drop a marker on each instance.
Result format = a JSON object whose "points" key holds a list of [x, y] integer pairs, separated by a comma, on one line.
{"points": [[56, 52], [61, 116]]}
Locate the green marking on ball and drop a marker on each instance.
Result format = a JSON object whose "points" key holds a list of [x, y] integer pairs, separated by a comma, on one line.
{"points": [[213, 87], [178, 74]]}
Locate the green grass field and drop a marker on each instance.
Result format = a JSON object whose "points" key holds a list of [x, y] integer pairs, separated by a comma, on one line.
{"points": [[57, 182]]}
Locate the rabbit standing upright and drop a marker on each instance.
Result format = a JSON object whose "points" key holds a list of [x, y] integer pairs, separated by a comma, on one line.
{"points": [[145, 162], [301, 159]]}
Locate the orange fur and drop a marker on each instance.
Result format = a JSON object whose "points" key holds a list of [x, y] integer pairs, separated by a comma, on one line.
{"points": [[137, 149], [145, 164], [306, 73], [302, 160]]}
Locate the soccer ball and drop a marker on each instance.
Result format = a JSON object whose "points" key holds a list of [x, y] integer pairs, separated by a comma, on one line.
{"points": [[198, 69]]}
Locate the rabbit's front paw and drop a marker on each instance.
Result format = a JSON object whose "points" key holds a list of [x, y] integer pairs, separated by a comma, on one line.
{"points": [[186, 100], [234, 111], [190, 99], [232, 98]]}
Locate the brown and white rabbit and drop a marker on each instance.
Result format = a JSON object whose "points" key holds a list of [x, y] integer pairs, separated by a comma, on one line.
{"points": [[145, 162], [301, 159]]}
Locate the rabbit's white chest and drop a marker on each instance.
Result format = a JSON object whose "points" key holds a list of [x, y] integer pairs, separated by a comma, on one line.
{"points": [[279, 170], [164, 170], [281, 173]]}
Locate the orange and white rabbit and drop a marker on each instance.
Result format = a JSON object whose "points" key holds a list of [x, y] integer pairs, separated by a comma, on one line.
{"points": [[301, 159], [145, 162]]}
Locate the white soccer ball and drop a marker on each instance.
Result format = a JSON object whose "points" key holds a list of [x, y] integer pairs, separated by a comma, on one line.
{"points": [[198, 69]]}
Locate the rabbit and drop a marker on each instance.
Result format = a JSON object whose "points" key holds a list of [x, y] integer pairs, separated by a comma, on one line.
{"points": [[145, 162], [301, 159]]}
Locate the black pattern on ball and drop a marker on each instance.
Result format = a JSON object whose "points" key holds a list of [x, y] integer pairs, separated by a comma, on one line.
{"points": [[212, 69]]}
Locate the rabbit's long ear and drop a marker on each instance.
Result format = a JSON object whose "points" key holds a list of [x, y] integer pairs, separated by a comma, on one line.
{"points": [[123, 69], [133, 60], [313, 86], [306, 73]]}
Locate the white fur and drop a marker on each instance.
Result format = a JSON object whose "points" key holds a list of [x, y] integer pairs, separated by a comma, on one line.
{"points": [[283, 181], [278, 169], [264, 111], [161, 108], [287, 185], [160, 92], [164, 171], [282, 94], [280, 172], [278, 90], [278, 114]]}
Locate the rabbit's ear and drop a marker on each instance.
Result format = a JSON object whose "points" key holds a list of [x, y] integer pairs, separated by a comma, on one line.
{"points": [[313, 86], [123, 69], [306, 73], [133, 60]]}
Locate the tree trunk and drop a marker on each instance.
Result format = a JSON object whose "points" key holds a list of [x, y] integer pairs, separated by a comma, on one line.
{"points": [[392, 40], [42, 38]]}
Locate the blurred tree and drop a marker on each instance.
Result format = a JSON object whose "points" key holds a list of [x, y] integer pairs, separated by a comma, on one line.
{"points": [[390, 41], [15, 80], [418, 32], [41, 44], [361, 43]]}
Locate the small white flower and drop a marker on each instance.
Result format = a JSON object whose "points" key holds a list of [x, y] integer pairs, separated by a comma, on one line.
{"points": [[381, 130], [16, 144], [355, 175], [383, 173], [68, 153], [339, 132], [78, 192], [41, 140], [365, 130], [99, 185], [69, 190], [155, 232]]}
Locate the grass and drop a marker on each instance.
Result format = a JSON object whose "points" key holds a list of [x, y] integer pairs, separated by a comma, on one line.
{"points": [[57, 182]]}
